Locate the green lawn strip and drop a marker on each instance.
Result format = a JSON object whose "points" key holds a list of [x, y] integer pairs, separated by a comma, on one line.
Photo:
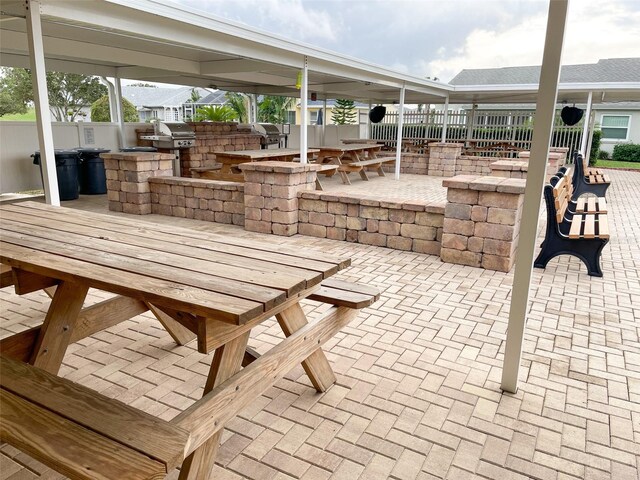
{"points": [[615, 164], [30, 116]]}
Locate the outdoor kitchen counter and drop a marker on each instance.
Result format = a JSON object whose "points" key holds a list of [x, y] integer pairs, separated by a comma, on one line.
{"points": [[198, 285]]}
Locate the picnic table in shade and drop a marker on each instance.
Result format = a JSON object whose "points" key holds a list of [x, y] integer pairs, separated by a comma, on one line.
{"points": [[353, 158], [230, 160], [368, 141], [212, 289]]}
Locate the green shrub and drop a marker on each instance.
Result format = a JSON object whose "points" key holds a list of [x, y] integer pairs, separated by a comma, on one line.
{"points": [[603, 155], [100, 110], [595, 146], [215, 113], [626, 152]]}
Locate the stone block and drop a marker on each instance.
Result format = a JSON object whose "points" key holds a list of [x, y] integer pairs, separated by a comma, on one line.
{"points": [[257, 226], [500, 200], [389, 228], [312, 230], [252, 213], [457, 242], [337, 233], [356, 223], [285, 230], [376, 213], [495, 231], [460, 227], [341, 221], [312, 205], [420, 232], [460, 257], [254, 201], [326, 219], [429, 247], [500, 248], [469, 197], [479, 213], [399, 243], [475, 244], [503, 216], [501, 264], [115, 206], [458, 210], [429, 219], [402, 216], [369, 238], [372, 225], [337, 208]]}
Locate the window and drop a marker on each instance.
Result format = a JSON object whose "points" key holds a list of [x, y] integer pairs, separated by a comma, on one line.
{"points": [[313, 117], [615, 127], [291, 117]]}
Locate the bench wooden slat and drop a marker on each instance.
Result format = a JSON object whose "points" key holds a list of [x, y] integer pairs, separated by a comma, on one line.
{"points": [[591, 205], [603, 226], [576, 225], [341, 298], [589, 226], [68, 448], [602, 205], [110, 418], [580, 204]]}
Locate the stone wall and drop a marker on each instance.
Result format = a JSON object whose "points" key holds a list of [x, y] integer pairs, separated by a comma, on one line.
{"points": [[128, 179], [555, 160], [401, 225], [509, 169], [413, 163], [473, 165], [208, 200], [211, 137], [442, 158], [482, 221]]}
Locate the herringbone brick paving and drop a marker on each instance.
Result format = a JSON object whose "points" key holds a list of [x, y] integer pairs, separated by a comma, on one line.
{"points": [[418, 392]]}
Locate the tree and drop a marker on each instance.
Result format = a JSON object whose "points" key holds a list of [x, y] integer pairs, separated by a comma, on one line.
{"points": [[195, 96], [238, 102], [215, 113], [68, 92], [101, 110], [344, 112], [15, 90], [274, 109]]}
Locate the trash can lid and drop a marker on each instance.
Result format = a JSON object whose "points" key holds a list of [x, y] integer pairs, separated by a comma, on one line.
{"points": [[139, 149], [92, 150], [61, 151]]}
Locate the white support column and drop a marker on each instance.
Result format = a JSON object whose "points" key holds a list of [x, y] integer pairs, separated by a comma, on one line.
{"points": [[545, 112], [399, 134], [592, 123], [471, 122], [368, 132], [113, 106], [120, 112], [427, 107], [253, 108], [445, 120], [41, 101], [324, 120], [304, 114], [585, 129]]}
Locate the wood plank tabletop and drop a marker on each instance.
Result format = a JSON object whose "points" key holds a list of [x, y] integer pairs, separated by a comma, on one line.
{"points": [[352, 147], [205, 274], [267, 154]]}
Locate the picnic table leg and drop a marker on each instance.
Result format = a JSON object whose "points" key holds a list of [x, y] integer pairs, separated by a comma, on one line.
{"points": [[56, 330], [227, 361], [180, 334], [316, 365]]}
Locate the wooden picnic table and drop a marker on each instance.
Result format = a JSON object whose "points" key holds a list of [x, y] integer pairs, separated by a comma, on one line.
{"points": [[230, 161], [368, 141], [212, 288], [347, 153]]}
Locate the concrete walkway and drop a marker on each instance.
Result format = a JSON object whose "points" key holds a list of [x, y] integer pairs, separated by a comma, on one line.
{"points": [[418, 392]]}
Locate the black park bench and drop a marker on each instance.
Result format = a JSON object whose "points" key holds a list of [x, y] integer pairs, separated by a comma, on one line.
{"points": [[588, 180]]}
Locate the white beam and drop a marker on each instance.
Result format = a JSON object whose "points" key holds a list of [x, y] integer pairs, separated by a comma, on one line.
{"points": [[399, 134], [113, 106], [445, 120], [324, 120], [304, 93], [542, 129], [41, 101], [120, 112], [585, 129]]}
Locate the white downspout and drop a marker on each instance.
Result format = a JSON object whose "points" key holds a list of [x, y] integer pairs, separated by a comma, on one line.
{"points": [[41, 101], [542, 129], [445, 120], [399, 133], [585, 128], [304, 93]]}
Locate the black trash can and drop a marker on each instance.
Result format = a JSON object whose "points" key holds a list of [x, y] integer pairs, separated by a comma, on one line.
{"points": [[66, 170], [91, 174], [139, 149]]}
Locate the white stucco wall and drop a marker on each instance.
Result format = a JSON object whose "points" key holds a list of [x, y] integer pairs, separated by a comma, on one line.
{"points": [[634, 127], [19, 140]]}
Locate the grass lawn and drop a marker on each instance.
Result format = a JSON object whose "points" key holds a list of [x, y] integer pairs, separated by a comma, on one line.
{"points": [[614, 164], [30, 116]]}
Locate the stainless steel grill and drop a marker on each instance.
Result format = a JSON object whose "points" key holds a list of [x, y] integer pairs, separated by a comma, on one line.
{"points": [[270, 135], [172, 135]]}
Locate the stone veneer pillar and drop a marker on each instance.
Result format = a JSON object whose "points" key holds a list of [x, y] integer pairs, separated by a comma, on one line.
{"points": [[271, 195], [442, 158], [127, 174], [482, 221], [555, 160]]}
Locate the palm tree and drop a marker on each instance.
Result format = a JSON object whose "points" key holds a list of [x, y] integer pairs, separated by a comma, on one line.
{"points": [[274, 109], [238, 103], [215, 113]]}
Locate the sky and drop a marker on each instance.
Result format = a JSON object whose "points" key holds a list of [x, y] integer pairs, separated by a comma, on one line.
{"points": [[438, 38]]}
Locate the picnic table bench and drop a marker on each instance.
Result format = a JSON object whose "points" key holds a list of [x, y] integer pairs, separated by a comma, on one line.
{"points": [[582, 235], [361, 166], [204, 287]]}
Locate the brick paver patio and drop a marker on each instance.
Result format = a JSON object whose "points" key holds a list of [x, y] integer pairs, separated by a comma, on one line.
{"points": [[418, 392]]}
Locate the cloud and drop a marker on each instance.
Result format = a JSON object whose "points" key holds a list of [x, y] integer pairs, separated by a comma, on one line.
{"points": [[611, 33]]}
